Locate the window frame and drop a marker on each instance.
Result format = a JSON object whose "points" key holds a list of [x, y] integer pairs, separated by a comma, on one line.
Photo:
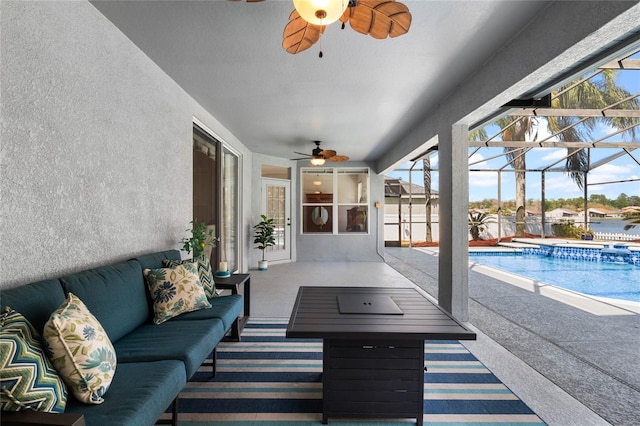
{"points": [[336, 203]]}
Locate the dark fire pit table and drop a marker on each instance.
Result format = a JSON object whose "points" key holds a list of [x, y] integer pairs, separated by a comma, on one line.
{"points": [[373, 347]]}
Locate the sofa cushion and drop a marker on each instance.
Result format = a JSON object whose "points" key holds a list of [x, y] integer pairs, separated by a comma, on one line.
{"points": [[28, 380], [227, 308], [175, 290], [188, 341], [114, 294], [80, 350], [204, 273], [154, 260], [35, 301], [138, 396]]}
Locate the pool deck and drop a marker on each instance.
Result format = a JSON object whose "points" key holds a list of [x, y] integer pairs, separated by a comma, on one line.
{"points": [[589, 347]]}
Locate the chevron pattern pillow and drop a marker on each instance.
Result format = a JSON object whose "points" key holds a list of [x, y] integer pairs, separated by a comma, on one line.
{"points": [[204, 272], [28, 380]]}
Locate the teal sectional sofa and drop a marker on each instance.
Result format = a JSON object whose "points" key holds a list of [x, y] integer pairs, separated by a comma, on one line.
{"points": [[154, 362]]}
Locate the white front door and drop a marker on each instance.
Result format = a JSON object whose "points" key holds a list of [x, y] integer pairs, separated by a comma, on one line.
{"points": [[276, 203]]}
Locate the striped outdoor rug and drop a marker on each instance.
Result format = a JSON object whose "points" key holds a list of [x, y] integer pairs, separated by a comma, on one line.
{"points": [[269, 380]]}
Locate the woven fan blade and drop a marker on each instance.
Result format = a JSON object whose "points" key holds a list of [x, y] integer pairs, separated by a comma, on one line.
{"points": [[328, 153], [299, 35], [338, 158], [380, 18], [302, 153]]}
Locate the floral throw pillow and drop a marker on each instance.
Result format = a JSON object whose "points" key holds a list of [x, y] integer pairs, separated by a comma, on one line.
{"points": [[80, 350], [27, 378], [204, 273], [175, 290]]}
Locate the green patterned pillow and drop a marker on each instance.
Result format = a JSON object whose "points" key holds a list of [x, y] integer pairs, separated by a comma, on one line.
{"points": [[28, 380], [204, 272], [80, 350], [175, 290]]}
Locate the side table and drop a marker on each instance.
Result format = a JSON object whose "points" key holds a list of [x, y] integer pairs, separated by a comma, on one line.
{"points": [[233, 283]]}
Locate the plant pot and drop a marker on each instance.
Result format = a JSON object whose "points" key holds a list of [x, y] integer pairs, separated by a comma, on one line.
{"points": [[263, 265]]}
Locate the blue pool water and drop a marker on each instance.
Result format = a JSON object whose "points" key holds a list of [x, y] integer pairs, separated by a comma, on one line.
{"points": [[603, 279]]}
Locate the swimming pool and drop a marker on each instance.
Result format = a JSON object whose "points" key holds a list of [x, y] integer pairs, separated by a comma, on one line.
{"points": [[603, 279]]}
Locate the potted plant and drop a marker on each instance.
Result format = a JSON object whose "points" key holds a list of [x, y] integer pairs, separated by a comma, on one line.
{"points": [[586, 234], [200, 238], [264, 238]]}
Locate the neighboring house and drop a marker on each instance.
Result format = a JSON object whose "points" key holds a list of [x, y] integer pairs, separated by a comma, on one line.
{"points": [[561, 214], [597, 213], [398, 189]]}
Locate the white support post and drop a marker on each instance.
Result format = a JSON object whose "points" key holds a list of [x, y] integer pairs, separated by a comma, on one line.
{"points": [[453, 266]]}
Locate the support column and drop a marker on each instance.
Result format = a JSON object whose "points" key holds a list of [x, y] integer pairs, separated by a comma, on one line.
{"points": [[453, 261], [543, 220]]}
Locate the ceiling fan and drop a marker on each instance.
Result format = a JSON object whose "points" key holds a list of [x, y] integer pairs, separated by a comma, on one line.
{"points": [[378, 18], [318, 156]]}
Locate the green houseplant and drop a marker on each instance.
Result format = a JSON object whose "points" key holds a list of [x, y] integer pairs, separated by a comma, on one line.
{"points": [[264, 238], [200, 238]]}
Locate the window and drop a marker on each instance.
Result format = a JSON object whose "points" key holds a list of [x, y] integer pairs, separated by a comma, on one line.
{"points": [[335, 200]]}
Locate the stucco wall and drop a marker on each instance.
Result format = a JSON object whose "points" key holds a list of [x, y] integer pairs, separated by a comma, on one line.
{"points": [[96, 162]]}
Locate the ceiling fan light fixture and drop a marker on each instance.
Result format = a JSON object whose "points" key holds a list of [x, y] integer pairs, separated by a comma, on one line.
{"points": [[320, 12], [317, 161]]}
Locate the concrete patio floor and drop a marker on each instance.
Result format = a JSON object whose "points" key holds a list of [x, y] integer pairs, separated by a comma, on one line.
{"points": [[574, 361]]}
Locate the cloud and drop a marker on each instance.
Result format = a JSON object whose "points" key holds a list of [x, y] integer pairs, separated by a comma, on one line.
{"points": [[561, 186], [477, 158], [611, 172], [483, 179], [543, 131], [553, 154]]}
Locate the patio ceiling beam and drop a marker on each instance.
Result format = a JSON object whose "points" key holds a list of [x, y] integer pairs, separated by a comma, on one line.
{"points": [[554, 144], [572, 112], [624, 64], [632, 156], [612, 157]]}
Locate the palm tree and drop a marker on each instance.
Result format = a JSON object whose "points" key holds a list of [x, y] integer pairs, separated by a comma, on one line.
{"points": [[518, 129], [426, 177], [589, 94]]}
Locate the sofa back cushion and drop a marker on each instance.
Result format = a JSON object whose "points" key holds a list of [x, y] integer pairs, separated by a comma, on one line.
{"points": [[115, 295], [154, 260], [35, 301]]}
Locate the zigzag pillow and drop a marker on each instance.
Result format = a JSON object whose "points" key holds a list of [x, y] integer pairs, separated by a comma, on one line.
{"points": [[204, 272], [28, 380]]}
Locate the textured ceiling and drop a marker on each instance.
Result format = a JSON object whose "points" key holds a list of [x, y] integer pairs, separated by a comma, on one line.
{"points": [[359, 99]]}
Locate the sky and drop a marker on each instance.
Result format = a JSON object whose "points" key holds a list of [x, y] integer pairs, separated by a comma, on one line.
{"points": [[484, 185]]}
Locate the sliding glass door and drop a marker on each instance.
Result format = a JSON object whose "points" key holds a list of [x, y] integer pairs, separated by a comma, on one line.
{"points": [[216, 173], [230, 221]]}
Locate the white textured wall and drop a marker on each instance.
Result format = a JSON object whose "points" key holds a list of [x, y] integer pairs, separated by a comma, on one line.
{"points": [[96, 162]]}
